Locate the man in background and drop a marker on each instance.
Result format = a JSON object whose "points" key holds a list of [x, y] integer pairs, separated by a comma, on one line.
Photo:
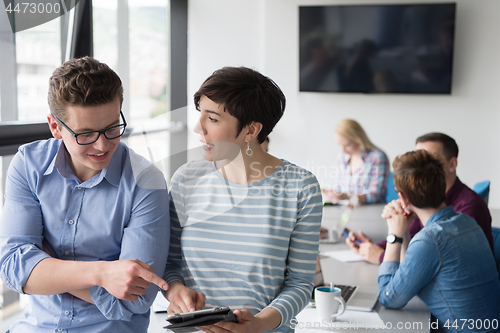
{"points": [[460, 196]]}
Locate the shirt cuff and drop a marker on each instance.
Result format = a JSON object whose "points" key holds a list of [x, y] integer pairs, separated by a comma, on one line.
{"points": [[388, 268], [109, 305], [283, 318], [15, 279]]}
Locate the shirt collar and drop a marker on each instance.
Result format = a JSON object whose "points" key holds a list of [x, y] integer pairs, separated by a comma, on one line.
{"points": [[441, 214], [59, 162], [112, 173]]}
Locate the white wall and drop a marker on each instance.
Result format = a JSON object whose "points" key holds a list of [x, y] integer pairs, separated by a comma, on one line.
{"points": [[263, 34]]}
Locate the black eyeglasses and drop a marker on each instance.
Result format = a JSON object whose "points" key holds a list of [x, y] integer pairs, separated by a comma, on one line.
{"points": [[87, 138]]}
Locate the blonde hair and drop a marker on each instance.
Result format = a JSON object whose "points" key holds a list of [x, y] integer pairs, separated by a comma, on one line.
{"points": [[351, 130]]}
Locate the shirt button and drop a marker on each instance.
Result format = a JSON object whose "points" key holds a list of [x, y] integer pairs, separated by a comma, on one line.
{"points": [[70, 222], [59, 330], [66, 312], [67, 253], [387, 293]]}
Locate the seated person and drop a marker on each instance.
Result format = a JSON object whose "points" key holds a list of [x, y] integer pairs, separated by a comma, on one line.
{"points": [[363, 169], [462, 198], [456, 281]]}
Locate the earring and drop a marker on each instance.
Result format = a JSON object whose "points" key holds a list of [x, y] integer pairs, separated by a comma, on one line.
{"points": [[249, 150]]}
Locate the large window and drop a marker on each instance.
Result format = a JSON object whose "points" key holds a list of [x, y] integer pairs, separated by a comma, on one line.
{"points": [[38, 53], [133, 40]]}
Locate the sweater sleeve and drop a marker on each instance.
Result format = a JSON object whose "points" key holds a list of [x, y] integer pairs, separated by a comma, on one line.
{"points": [[302, 253], [173, 268]]}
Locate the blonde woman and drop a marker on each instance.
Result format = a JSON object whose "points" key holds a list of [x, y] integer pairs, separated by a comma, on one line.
{"points": [[362, 168]]}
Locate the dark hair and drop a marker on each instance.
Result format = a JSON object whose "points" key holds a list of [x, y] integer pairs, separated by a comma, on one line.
{"points": [[83, 82], [247, 95], [450, 147], [420, 177]]}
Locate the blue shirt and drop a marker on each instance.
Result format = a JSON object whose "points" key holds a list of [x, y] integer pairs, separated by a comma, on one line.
{"points": [[457, 281], [117, 214], [246, 246]]}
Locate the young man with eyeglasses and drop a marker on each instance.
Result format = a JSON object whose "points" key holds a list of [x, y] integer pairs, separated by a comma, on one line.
{"points": [[84, 227]]}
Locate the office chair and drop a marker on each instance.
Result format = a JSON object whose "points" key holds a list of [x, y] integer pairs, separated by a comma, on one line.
{"points": [[391, 193], [483, 189], [496, 246]]}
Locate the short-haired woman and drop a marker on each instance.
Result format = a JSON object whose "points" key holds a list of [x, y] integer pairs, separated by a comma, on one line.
{"points": [[245, 224], [457, 281]]}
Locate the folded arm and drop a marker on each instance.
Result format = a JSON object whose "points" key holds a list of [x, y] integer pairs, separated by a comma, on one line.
{"points": [[26, 268]]}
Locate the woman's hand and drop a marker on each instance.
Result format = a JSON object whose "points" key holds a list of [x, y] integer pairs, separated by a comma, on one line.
{"points": [[397, 207], [183, 299], [392, 208], [398, 224], [247, 323], [333, 196]]}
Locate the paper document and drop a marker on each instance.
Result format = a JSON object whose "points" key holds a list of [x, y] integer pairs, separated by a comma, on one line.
{"points": [[307, 321], [344, 255], [160, 303]]}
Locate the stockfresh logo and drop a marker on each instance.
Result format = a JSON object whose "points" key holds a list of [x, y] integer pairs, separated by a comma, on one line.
{"points": [[24, 14]]}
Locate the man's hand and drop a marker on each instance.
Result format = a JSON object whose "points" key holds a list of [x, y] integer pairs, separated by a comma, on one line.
{"points": [[128, 279], [370, 252], [183, 299], [351, 240]]}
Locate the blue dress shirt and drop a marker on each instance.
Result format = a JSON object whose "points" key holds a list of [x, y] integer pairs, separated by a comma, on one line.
{"points": [[120, 213], [449, 264]]}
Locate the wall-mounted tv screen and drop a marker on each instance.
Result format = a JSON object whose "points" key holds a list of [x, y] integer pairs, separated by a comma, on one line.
{"points": [[377, 48]]}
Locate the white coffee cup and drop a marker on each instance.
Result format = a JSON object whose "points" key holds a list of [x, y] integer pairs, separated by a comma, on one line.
{"points": [[328, 301]]}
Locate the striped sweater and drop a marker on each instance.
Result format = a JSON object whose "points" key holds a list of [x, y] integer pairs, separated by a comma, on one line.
{"points": [[246, 246]]}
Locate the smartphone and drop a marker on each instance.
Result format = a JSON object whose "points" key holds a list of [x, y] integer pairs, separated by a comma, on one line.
{"points": [[346, 233]]}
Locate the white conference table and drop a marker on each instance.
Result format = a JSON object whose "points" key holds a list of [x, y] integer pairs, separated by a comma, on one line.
{"points": [[366, 218], [414, 316]]}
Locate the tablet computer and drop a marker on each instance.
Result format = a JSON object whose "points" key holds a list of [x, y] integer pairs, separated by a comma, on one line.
{"points": [[186, 322]]}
